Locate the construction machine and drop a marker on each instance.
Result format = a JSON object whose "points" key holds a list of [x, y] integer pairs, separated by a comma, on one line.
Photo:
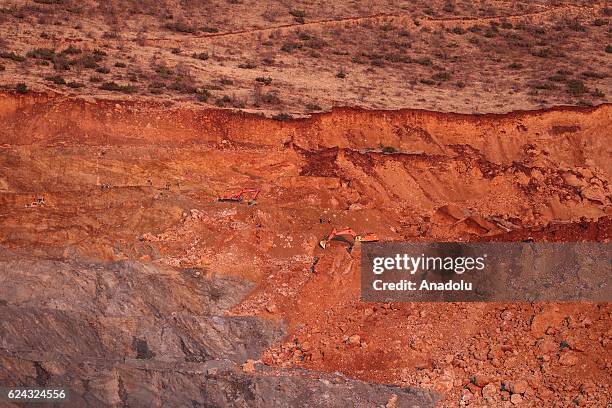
{"points": [[250, 193], [339, 234]]}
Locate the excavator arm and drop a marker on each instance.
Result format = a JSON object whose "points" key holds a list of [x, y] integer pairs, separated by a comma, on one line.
{"points": [[250, 193], [347, 231]]}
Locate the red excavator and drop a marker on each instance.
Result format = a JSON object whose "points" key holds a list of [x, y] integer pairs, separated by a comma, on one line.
{"points": [[339, 234], [250, 193]]}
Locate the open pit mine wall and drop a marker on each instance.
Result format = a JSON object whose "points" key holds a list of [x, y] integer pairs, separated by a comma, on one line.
{"points": [[567, 136]]}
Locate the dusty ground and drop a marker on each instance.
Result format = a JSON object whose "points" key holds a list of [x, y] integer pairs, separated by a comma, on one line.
{"points": [[296, 58], [138, 182], [121, 122]]}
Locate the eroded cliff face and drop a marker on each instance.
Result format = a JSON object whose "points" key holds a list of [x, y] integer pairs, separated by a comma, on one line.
{"points": [[113, 239]]}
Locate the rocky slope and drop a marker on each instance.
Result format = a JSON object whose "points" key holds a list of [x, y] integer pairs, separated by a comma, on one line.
{"points": [[117, 202]]}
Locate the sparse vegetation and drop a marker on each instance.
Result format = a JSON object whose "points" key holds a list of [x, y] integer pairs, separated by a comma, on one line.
{"points": [[163, 70], [264, 80], [449, 7], [270, 98], [200, 55], [576, 87], [557, 78], [114, 87], [181, 26], [426, 61], [298, 15], [75, 85], [542, 52], [202, 95], [313, 107], [593, 74], [41, 53], [156, 88], [184, 85], [71, 50], [56, 79], [21, 88], [289, 46], [379, 45], [282, 117], [441, 76], [542, 85], [226, 99], [248, 65], [12, 56], [598, 22]]}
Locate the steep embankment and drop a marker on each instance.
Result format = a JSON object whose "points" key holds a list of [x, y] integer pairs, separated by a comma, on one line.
{"points": [[136, 183]]}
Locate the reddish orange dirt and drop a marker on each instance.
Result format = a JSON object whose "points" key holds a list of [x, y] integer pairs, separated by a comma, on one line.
{"points": [[138, 181]]}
